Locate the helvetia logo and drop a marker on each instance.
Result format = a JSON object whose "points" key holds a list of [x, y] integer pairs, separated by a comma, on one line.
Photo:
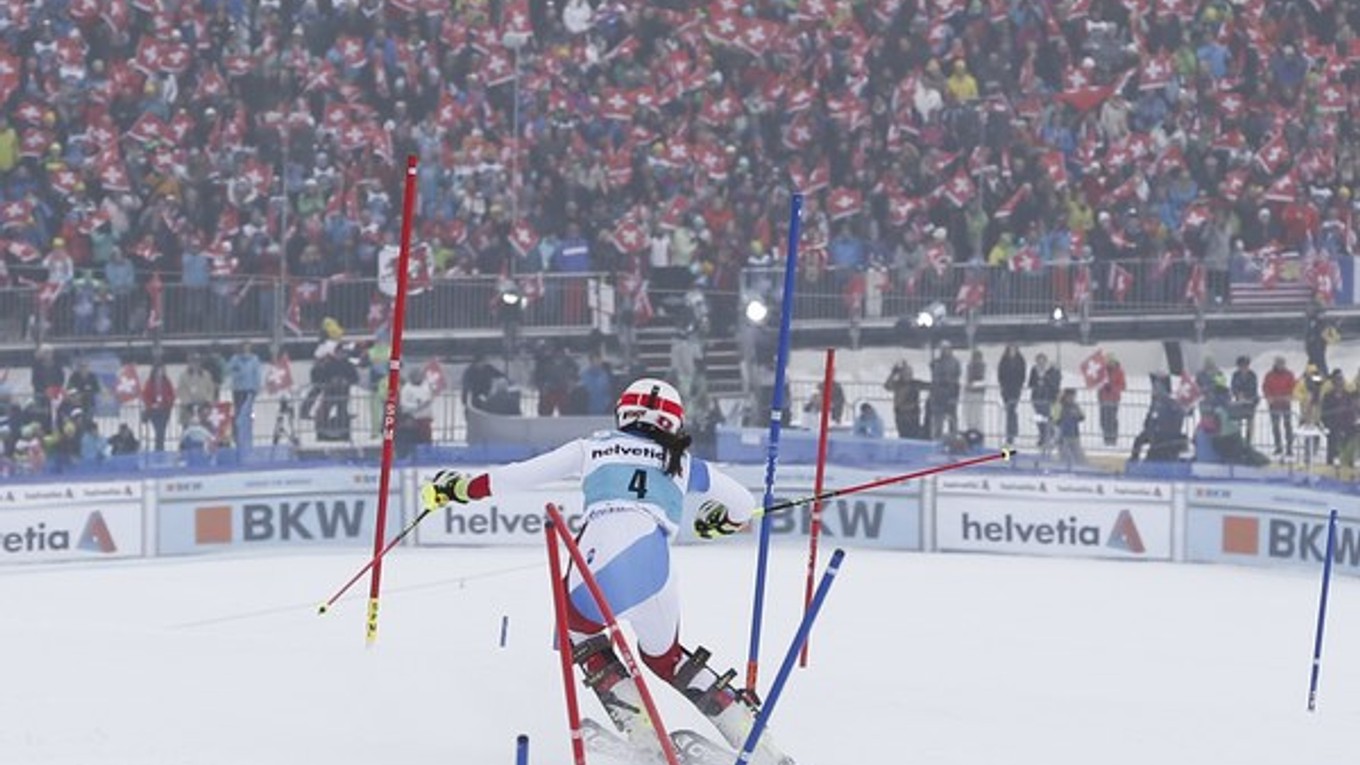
{"points": [[1125, 535], [96, 537]]}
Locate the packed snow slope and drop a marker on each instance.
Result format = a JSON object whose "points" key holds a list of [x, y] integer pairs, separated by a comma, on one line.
{"points": [[916, 658]]}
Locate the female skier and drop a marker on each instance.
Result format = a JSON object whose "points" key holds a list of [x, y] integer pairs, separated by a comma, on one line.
{"points": [[634, 480]]}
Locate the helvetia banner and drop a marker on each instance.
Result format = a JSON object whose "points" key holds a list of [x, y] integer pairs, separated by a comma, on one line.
{"points": [[91, 530], [514, 516], [1052, 516]]}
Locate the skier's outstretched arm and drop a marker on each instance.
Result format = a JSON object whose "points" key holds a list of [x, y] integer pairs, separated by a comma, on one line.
{"points": [[451, 485]]}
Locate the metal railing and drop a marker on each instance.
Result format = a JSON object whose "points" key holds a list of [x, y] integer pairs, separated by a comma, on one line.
{"points": [[258, 306], [294, 421]]}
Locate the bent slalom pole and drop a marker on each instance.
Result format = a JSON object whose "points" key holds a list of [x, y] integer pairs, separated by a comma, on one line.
{"points": [[1005, 454], [389, 421], [324, 607], [1322, 611], [828, 386], [799, 640], [615, 635], [564, 650]]}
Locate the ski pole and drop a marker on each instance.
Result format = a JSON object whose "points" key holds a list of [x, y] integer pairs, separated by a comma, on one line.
{"points": [[395, 541], [1005, 454], [564, 650], [1322, 611], [828, 385], [615, 634], [785, 669]]}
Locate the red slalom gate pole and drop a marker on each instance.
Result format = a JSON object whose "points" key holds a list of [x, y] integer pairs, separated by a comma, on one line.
{"points": [[559, 590], [616, 635], [1005, 454], [393, 396], [828, 383]]}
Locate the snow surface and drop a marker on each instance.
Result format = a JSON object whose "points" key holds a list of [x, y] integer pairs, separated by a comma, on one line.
{"points": [[916, 658]]}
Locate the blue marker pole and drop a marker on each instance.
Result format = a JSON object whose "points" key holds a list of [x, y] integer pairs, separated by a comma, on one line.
{"points": [[521, 750], [791, 657], [1322, 610], [776, 414], [505, 628]]}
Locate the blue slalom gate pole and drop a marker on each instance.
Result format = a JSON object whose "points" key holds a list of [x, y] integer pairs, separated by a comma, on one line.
{"points": [[521, 750], [1322, 610], [791, 657], [772, 456]]}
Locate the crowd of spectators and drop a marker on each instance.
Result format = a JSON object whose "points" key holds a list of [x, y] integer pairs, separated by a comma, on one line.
{"points": [[162, 161]]}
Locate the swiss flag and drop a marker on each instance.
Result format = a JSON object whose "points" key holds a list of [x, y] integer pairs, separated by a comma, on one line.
{"points": [[844, 203], [23, 251], [9, 73], [29, 113], [33, 144], [433, 372], [16, 214], [1331, 99], [1194, 286], [1095, 369], [719, 112], [1007, 208], [615, 104], [1187, 390], [515, 18], [352, 53], [1196, 215], [128, 386], [848, 111], [1233, 184], [155, 289], [1055, 168], [523, 237], [628, 236], [1025, 260], [1325, 276], [797, 134], [219, 421], [148, 128], [902, 207], [1272, 268], [1121, 281], [959, 190], [971, 295], [715, 162], [938, 258], [724, 26], [1081, 286], [1232, 105], [1156, 73], [810, 182], [1273, 155], [279, 378], [1285, 189]]}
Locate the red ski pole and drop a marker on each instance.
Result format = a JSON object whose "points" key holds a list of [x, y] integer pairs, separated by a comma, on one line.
{"points": [[828, 383], [559, 590], [615, 634]]}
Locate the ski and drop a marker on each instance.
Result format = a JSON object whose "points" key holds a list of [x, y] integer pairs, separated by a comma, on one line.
{"points": [[695, 748], [692, 747]]}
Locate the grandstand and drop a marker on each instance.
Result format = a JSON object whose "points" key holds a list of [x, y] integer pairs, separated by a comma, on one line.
{"points": [[177, 178]]}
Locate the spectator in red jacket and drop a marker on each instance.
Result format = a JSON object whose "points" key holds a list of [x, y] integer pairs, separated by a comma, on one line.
{"points": [[1278, 390], [158, 401], [1109, 394]]}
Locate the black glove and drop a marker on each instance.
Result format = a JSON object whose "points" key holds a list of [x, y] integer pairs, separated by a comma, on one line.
{"points": [[447, 486], [712, 521]]}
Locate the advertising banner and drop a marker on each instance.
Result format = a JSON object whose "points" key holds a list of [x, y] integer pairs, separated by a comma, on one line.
{"points": [[887, 517], [513, 517], [331, 506], [1042, 515], [91, 530], [67, 494], [1261, 525]]}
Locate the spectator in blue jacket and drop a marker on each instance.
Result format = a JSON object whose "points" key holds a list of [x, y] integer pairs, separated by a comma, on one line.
{"points": [[244, 373]]}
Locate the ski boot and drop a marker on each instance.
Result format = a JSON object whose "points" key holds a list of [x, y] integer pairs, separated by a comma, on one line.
{"points": [[609, 679], [731, 710]]}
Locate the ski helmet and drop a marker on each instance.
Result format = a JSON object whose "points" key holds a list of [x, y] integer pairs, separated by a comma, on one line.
{"points": [[653, 402]]}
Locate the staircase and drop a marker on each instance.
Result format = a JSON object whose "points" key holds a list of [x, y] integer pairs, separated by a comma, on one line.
{"points": [[722, 356]]}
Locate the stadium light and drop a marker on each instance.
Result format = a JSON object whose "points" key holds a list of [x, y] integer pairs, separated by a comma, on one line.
{"points": [[757, 311], [932, 316]]}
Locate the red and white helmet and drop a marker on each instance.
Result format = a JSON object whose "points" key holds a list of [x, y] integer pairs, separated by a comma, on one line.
{"points": [[653, 402]]}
